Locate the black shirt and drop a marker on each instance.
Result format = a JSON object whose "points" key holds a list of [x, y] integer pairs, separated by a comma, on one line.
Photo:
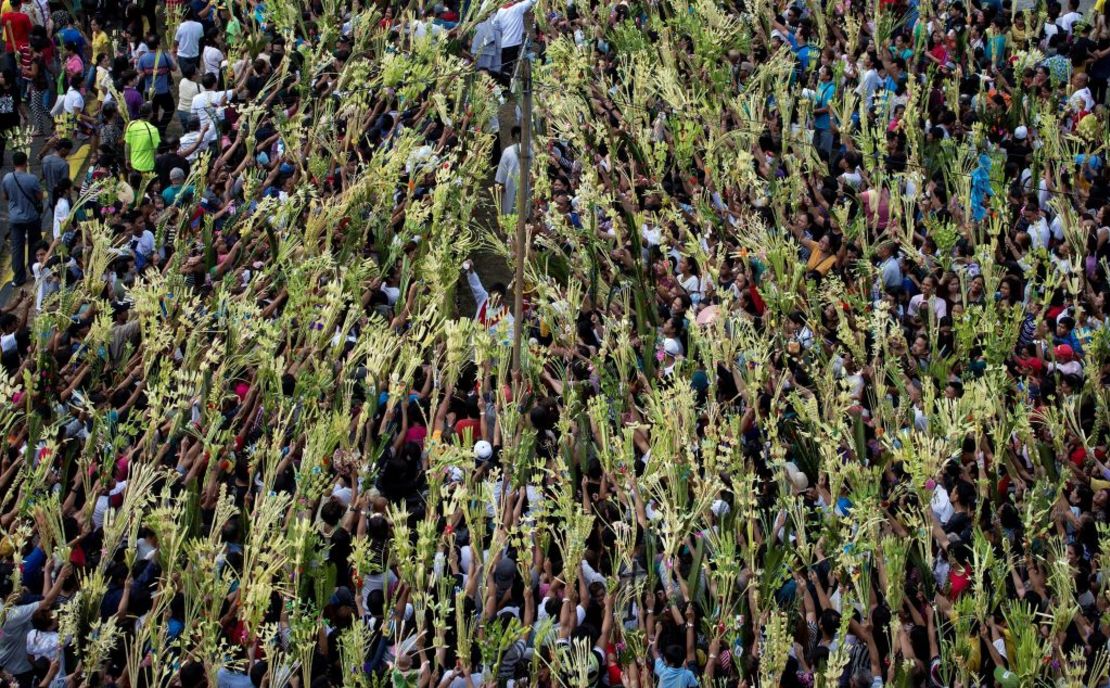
{"points": [[165, 163]]}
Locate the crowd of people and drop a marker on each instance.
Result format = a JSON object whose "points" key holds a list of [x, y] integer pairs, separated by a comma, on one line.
{"points": [[814, 344]]}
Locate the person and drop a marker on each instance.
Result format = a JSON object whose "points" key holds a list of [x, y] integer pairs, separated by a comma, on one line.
{"points": [[73, 103], [208, 108], [63, 206], [74, 63], [822, 120], [34, 73], [17, 625], [101, 43], [212, 55], [187, 42], [485, 47], [24, 196], [132, 98], [509, 24], [141, 139], [156, 67], [187, 89], [17, 28], [55, 164], [508, 172], [491, 306], [141, 240], [177, 192]]}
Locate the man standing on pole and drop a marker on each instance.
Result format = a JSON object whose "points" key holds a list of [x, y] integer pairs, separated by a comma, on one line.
{"points": [[509, 21]]}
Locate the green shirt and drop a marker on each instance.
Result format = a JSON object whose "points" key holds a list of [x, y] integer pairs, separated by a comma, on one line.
{"points": [[142, 139], [233, 30]]}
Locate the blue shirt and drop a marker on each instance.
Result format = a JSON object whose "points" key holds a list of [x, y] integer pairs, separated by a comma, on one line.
{"points": [[72, 35], [674, 677], [232, 679], [156, 67], [825, 93]]}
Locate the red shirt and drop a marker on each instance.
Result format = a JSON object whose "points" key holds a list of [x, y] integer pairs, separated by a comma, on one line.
{"points": [[959, 579], [17, 30], [474, 426]]}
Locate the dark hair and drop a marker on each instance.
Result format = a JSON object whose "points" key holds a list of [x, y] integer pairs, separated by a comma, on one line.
{"points": [[19, 158], [674, 655]]}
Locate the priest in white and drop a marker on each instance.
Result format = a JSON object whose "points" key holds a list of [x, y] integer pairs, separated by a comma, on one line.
{"points": [[508, 173]]}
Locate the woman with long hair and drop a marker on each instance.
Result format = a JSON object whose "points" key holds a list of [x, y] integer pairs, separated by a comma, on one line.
{"points": [[38, 85]]}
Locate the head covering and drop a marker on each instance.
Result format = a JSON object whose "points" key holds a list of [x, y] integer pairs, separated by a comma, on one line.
{"points": [[1020, 133], [1063, 352], [672, 346], [483, 450]]}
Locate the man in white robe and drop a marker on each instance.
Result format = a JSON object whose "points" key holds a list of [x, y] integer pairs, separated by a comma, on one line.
{"points": [[508, 174]]}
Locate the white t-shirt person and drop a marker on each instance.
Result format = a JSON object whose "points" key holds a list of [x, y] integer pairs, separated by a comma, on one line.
{"points": [[188, 38], [208, 108]]}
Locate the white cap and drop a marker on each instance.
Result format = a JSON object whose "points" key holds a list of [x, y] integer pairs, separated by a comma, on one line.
{"points": [[483, 450], [672, 346], [1020, 133], [719, 508]]}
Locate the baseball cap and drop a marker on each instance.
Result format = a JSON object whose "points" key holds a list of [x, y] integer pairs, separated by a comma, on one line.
{"points": [[1064, 352], [672, 346], [483, 450], [1020, 133]]}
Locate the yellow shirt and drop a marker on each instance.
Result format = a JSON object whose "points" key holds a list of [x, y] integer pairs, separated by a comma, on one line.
{"points": [[101, 45]]}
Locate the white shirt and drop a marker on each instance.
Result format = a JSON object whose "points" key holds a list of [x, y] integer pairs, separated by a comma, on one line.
{"points": [[852, 178], [208, 106], [188, 38], [45, 284], [692, 284], [508, 172], [868, 84], [422, 29], [510, 20], [102, 504], [187, 141], [74, 102], [1082, 100], [143, 244], [61, 212], [212, 59], [1038, 233], [1068, 20], [940, 308], [42, 644]]}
